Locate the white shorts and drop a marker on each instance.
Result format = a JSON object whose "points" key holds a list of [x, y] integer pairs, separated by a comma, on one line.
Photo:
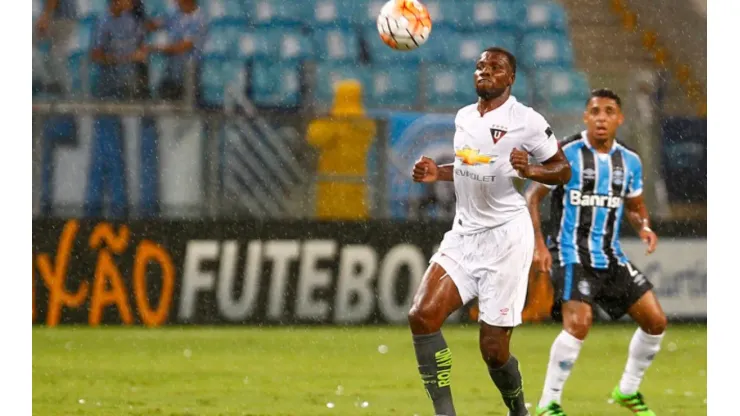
{"points": [[493, 266]]}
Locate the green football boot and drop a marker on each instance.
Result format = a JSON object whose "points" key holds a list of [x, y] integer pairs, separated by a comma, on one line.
{"points": [[552, 409], [634, 402]]}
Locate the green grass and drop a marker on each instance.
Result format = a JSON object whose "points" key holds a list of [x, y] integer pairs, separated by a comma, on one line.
{"points": [[296, 371]]}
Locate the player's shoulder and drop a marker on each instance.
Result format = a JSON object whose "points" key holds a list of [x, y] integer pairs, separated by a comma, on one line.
{"points": [[527, 115], [466, 111], [629, 154], [574, 140]]}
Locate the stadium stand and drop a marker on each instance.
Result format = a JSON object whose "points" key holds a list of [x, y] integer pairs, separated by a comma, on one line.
{"points": [[289, 54]]}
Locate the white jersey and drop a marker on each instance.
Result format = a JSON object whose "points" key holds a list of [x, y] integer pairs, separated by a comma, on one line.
{"points": [[483, 175]]}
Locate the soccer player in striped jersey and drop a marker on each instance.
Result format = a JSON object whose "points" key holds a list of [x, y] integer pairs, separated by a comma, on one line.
{"points": [[590, 266]]}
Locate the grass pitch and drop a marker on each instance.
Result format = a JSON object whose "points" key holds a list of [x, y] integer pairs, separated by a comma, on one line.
{"points": [[299, 370]]}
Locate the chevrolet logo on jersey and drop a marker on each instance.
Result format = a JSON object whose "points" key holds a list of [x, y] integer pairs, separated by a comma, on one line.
{"points": [[470, 156]]}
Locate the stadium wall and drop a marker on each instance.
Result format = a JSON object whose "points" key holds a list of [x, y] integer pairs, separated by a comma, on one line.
{"points": [[281, 272]]}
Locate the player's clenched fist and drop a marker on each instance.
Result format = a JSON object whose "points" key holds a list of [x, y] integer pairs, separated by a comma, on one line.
{"points": [[520, 162], [425, 170]]}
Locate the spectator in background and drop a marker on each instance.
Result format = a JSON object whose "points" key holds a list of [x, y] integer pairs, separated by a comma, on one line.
{"points": [[56, 24], [117, 49], [186, 32]]}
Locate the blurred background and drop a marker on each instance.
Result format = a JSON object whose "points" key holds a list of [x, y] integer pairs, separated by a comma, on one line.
{"points": [[246, 162]]}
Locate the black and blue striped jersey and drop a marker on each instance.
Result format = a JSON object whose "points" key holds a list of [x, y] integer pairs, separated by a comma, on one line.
{"points": [[589, 208]]}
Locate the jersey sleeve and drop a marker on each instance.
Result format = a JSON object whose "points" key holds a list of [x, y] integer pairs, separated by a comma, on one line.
{"points": [[634, 186], [540, 141]]}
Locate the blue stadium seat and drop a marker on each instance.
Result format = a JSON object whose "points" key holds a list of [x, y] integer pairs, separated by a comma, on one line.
{"points": [[393, 86], [364, 13], [218, 74], [79, 68], [562, 89], [544, 15], [160, 8], [253, 44], [271, 12], [225, 11], [448, 87], [328, 73], [290, 45], [546, 50], [380, 52], [521, 88], [333, 13], [276, 84], [82, 39], [486, 14], [336, 44], [37, 9], [222, 39], [467, 47], [88, 10]]}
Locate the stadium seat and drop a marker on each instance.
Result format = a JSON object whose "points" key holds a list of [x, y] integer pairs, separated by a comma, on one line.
{"points": [[332, 13], [562, 89], [78, 63], [380, 52], [328, 73], [448, 87], [37, 8], [521, 88], [225, 11], [476, 15], [160, 8], [90, 10], [276, 84], [286, 43], [467, 47], [271, 12], [365, 12], [545, 50], [336, 44], [544, 15], [222, 39], [216, 75], [393, 86], [253, 44], [445, 14]]}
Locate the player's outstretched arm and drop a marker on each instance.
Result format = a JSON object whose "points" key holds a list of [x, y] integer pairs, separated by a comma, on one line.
{"points": [[637, 215], [553, 171], [534, 194]]}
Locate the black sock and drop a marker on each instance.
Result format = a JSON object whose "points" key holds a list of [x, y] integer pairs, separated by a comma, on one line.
{"points": [[435, 367], [509, 382]]}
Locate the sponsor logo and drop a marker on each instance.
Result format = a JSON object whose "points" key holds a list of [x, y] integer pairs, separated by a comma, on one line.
{"points": [[581, 199]]}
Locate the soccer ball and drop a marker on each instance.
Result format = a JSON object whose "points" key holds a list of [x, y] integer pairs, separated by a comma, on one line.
{"points": [[404, 24]]}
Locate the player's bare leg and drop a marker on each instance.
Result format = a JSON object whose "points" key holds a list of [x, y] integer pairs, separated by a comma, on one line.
{"points": [[643, 348], [436, 298], [503, 367], [577, 320]]}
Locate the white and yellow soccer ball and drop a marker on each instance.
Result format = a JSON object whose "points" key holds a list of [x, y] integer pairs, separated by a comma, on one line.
{"points": [[404, 24]]}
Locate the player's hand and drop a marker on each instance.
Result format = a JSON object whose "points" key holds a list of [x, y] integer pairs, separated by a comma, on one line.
{"points": [[542, 259], [520, 162], [425, 170], [649, 238]]}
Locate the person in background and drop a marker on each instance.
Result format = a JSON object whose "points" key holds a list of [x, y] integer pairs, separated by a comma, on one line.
{"points": [[56, 24], [186, 32], [117, 50]]}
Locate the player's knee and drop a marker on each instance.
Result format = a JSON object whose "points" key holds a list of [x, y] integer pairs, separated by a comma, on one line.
{"points": [[424, 319], [656, 325], [494, 350], [577, 321]]}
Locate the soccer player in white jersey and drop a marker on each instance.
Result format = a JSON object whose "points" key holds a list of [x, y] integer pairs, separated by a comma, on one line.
{"points": [[488, 252]]}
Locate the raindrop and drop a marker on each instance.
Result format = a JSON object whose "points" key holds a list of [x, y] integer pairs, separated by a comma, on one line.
{"points": [[668, 391], [340, 390], [364, 404], [187, 353], [246, 380], [672, 346], [330, 405], [382, 349], [81, 401]]}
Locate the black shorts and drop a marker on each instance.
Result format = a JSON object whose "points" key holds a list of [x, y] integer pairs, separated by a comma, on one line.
{"points": [[614, 289]]}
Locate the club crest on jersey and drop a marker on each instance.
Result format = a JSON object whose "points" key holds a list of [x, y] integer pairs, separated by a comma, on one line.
{"points": [[470, 156], [498, 133], [618, 176]]}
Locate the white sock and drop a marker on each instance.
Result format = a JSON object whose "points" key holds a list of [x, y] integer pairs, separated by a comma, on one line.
{"points": [[563, 355], [643, 349]]}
